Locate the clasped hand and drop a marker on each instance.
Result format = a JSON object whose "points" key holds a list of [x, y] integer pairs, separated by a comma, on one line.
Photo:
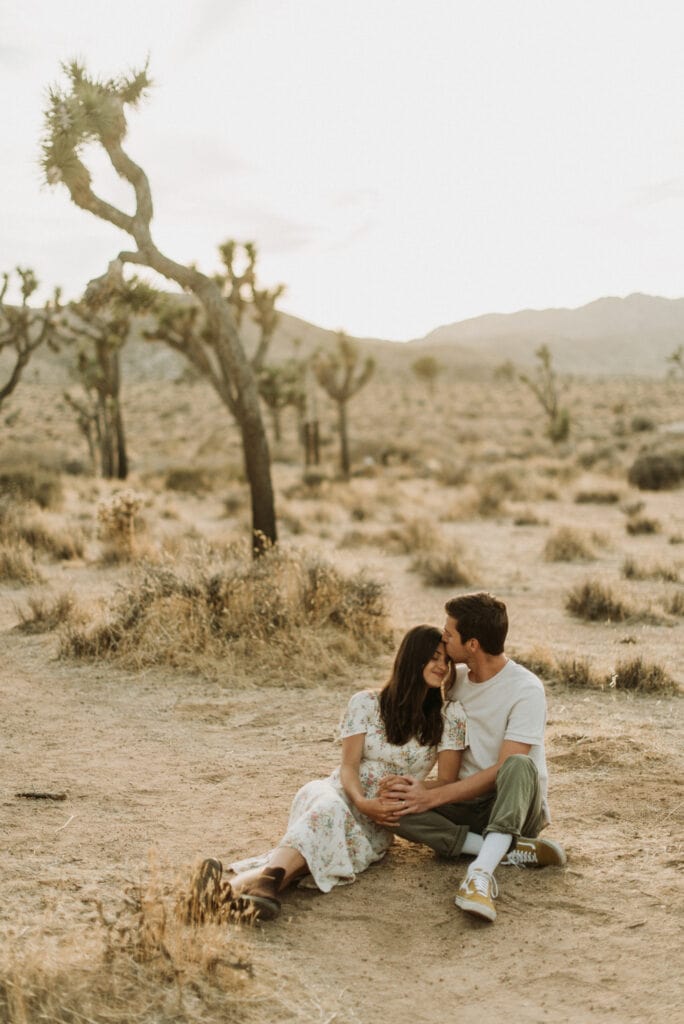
{"points": [[407, 794]]}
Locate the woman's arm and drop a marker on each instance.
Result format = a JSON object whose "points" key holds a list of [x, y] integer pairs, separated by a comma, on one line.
{"points": [[381, 810], [448, 767]]}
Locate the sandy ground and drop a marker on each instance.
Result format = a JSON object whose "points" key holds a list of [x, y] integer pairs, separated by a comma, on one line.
{"points": [[186, 768]]}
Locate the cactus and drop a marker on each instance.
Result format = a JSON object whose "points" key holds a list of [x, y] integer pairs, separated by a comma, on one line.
{"points": [[340, 374], [544, 386], [93, 111], [23, 329]]}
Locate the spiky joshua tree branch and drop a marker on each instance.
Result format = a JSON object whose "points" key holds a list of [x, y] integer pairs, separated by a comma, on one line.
{"points": [[23, 329], [93, 111]]}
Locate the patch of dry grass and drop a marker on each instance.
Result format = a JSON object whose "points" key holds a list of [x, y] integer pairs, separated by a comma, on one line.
{"points": [[229, 615], [633, 570], [568, 544], [597, 602], [46, 612], [136, 962], [16, 563], [445, 565], [644, 677]]}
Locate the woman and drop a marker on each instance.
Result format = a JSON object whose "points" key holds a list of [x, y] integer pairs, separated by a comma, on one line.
{"points": [[340, 825]]}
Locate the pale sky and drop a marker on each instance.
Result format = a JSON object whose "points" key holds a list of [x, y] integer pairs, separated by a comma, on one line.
{"points": [[401, 164]]}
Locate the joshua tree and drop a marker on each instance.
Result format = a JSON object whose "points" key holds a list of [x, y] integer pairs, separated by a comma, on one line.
{"points": [[23, 329], [340, 374], [100, 332], [544, 386], [94, 111]]}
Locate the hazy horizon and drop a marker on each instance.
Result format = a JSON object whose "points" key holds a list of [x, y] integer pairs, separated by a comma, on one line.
{"points": [[400, 167]]}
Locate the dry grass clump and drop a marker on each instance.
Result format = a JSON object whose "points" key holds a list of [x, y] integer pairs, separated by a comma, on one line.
{"points": [[574, 672], [237, 615], [409, 537], [45, 612], [18, 523], [16, 563], [568, 544], [445, 565], [189, 480], [633, 570], [138, 963], [527, 517], [674, 603], [597, 497], [596, 602], [644, 677], [637, 524], [25, 479]]}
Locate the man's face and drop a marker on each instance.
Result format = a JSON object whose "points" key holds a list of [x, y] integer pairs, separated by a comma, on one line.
{"points": [[452, 640]]}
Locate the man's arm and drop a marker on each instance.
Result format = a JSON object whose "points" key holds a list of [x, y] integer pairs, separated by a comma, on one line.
{"points": [[420, 798]]}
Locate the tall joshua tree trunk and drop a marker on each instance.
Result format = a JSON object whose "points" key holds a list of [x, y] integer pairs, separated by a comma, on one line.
{"points": [[94, 111]]}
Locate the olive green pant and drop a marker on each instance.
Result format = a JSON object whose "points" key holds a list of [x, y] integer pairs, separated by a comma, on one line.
{"points": [[514, 808]]}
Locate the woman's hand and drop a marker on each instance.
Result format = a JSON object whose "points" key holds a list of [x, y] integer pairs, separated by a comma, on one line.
{"points": [[382, 810], [410, 795], [388, 781]]}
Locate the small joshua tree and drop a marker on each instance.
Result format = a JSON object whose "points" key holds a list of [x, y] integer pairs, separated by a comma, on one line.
{"points": [[544, 386], [23, 329], [339, 372], [282, 386], [100, 330], [93, 111]]}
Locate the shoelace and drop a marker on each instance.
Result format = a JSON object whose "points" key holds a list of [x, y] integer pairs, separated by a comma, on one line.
{"points": [[519, 857], [483, 883]]}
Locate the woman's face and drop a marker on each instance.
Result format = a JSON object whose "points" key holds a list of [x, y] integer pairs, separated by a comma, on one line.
{"points": [[436, 668]]}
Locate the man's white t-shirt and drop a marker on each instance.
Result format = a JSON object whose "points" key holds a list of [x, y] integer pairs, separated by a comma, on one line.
{"points": [[509, 706]]}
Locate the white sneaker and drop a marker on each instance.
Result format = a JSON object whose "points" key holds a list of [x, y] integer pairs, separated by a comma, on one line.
{"points": [[477, 893]]}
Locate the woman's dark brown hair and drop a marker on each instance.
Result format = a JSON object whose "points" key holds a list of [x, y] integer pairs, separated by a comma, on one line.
{"points": [[406, 709]]}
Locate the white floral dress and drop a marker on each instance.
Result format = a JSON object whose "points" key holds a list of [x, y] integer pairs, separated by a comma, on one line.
{"points": [[333, 837]]}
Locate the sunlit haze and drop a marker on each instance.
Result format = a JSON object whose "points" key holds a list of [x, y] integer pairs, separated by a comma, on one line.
{"points": [[400, 164]]}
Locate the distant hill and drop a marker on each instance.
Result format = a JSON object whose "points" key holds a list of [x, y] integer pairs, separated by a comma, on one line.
{"points": [[609, 337], [630, 336]]}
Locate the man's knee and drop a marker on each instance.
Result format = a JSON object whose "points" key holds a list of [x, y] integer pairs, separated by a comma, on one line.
{"points": [[517, 766]]}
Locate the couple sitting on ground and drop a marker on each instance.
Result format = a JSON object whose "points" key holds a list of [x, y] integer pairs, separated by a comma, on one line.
{"points": [[454, 699]]}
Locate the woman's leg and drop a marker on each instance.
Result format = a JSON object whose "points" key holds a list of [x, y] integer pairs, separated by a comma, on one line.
{"points": [[290, 860]]}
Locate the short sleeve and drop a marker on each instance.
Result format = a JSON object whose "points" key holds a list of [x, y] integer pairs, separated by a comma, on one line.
{"points": [[455, 732], [527, 717], [358, 715]]}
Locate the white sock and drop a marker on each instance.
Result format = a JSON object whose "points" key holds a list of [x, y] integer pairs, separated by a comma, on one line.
{"points": [[495, 846], [473, 844]]}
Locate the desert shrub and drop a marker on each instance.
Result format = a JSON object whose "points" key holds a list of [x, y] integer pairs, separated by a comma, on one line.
{"points": [[28, 481], [597, 603], [58, 542], [636, 525], [657, 471], [567, 544], [640, 424], [189, 480], [633, 570], [409, 537], [444, 566], [597, 497], [16, 563], [453, 474], [214, 613], [578, 674], [644, 677], [45, 612]]}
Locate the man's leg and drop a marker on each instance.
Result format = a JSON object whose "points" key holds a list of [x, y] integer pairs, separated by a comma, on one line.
{"points": [[516, 811], [446, 828]]}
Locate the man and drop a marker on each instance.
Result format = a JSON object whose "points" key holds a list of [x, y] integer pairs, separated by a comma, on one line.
{"points": [[498, 806]]}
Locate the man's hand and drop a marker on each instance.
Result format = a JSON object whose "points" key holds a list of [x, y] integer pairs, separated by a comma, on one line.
{"points": [[388, 781], [411, 796]]}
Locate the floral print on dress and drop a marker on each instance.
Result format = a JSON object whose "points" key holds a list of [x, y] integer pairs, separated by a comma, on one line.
{"points": [[333, 837]]}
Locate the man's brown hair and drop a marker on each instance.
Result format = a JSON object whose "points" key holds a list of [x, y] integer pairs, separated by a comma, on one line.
{"points": [[481, 617]]}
